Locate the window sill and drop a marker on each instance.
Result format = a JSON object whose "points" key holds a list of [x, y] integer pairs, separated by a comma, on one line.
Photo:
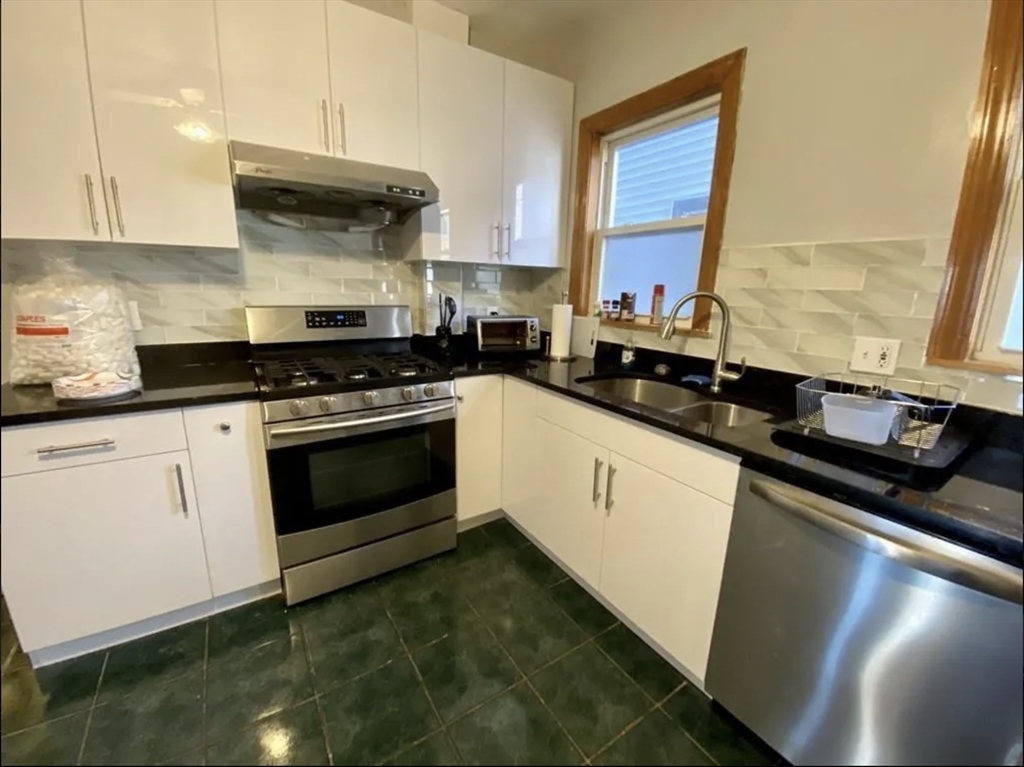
{"points": [[644, 326], [979, 366]]}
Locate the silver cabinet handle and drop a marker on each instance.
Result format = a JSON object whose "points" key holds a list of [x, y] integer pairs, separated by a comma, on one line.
{"points": [[608, 500], [342, 128], [92, 204], [595, 494], [497, 241], [50, 449], [117, 205], [988, 579], [338, 425], [181, 489], [225, 427], [327, 125], [508, 241]]}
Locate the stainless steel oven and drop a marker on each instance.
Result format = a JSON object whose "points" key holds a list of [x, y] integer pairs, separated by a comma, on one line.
{"points": [[355, 493]]}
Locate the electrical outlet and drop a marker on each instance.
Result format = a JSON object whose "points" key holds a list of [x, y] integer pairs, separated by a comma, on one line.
{"points": [[875, 355]]}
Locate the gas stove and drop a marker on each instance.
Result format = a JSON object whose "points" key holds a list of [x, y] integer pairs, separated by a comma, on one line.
{"points": [[324, 360]]}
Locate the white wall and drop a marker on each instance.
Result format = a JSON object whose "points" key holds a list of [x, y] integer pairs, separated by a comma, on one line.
{"points": [[854, 116]]}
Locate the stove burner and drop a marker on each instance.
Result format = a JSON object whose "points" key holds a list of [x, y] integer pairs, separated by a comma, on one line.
{"points": [[404, 372], [306, 372], [359, 374]]}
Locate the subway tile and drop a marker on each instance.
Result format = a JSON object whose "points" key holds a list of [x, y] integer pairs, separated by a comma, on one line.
{"points": [[239, 281], [342, 299], [757, 298], [892, 302], [338, 267], [234, 317], [261, 263], [776, 255], [768, 337], [375, 286], [207, 299], [911, 329], [150, 335], [912, 356], [887, 278], [160, 280], [815, 278], [200, 262], [165, 317], [925, 305], [140, 295], [729, 277], [121, 260], [836, 347], [789, 362], [205, 333], [883, 252], [308, 284], [742, 315], [808, 322], [273, 298], [936, 251]]}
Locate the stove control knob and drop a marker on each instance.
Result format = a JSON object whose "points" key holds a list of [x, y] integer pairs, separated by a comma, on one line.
{"points": [[408, 393], [299, 407], [430, 390], [371, 398], [327, 404]]}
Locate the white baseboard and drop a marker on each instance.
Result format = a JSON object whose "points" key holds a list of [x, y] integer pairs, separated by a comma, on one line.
{"points": [[480, 519], [66, 650]]}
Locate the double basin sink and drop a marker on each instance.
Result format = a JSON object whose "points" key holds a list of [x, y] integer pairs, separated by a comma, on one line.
{"points": [[671, 398]]}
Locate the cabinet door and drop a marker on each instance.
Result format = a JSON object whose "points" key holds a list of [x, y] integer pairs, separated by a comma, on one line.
{"points": [[478, 445], [537, 141], [663, 558], [519, 492], [50, 165], [572, 484], [374, 86], [160, 121], [96, 547], [226, 446], [273, 56], [461, 106]]}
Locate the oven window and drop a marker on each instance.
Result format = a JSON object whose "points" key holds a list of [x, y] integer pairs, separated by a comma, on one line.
{"points": [[339, 480]]}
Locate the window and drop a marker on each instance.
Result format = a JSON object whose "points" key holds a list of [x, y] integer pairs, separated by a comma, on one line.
{"points": [[656, 185], [978, 323], [652, 182]]}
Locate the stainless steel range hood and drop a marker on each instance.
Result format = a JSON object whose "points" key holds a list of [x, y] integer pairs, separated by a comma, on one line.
{"points": [[310, 191]]}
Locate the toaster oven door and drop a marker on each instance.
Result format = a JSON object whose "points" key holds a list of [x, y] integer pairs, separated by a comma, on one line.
{"points": [[498, 335]]}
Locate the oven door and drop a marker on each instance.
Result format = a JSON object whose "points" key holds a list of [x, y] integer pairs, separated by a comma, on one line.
{"points": [[342, 481], [501, 335]]}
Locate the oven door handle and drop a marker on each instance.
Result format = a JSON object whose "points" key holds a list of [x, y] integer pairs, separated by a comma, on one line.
{"points": [[289, 431]]}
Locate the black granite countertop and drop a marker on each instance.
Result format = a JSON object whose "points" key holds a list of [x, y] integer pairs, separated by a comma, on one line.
{"points": [[172, 376], [977, 501]]}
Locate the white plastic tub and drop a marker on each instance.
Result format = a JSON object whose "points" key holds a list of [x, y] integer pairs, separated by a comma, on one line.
{"points": [[861, 419]]}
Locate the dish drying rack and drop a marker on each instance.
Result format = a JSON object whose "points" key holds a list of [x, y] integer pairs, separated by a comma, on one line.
{"points": [[923, 408]]}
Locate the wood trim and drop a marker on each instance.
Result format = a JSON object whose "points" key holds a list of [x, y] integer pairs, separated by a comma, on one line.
{"points": [[722, 76], [646, 327], [980, 366], [990, 157]]}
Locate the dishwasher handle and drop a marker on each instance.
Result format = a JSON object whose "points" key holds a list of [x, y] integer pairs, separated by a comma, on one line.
{"points": [[990, 580]]}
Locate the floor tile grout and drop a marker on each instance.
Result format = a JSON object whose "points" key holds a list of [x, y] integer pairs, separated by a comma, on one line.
{"points": [[92, 708], [321, 716], [206, 683]]}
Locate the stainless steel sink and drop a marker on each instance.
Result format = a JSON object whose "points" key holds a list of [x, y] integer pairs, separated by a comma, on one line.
{"points": [[722, 414], [643, 391]]}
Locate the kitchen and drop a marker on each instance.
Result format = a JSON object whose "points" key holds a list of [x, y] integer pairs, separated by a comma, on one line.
{"points": [[573, 485]]}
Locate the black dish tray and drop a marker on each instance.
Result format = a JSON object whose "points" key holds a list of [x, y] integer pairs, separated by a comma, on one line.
{"points": [[950, 444]]}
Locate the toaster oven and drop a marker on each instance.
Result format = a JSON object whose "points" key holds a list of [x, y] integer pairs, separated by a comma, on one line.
{"points": [[504, 333]]}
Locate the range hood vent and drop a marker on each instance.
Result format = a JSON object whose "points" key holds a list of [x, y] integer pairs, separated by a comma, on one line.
{"points": [[310, 191]]}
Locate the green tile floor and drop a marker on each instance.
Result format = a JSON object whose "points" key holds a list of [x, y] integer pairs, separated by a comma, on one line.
{"points": [[487, 655]]}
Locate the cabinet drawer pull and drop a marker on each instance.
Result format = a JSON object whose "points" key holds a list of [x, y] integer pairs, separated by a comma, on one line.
{"points": [[117, 205], [608, 500], [508, 241], [50, 449], [92, 204], [181, 489], [595, 494], [327, 125], [342, 128], [496, 239]]}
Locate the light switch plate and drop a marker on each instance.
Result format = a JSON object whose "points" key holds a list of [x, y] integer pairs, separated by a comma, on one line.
{"points": [[875, 355]]}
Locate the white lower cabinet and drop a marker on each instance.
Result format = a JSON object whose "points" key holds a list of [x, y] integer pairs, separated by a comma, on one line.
{"points": [[478, 445], [519, 485], [571, 519], [664, 550], [91, 548], [230, 467]]}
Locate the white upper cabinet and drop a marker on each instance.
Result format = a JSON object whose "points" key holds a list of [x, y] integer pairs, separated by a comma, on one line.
{"points": [[373, 86], [273, 57], [461, 103], [537, 143], [160, 121], [51, 168]]}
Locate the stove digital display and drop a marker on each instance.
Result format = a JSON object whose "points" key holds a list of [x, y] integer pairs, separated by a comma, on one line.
{"points": [[354, 318]]}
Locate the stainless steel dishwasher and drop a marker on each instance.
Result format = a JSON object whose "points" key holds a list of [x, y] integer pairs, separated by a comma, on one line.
{"points": [[845, 638]]}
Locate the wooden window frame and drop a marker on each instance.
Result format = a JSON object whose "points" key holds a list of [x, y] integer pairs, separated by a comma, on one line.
{"points": [[990, 165], [722, 77]]}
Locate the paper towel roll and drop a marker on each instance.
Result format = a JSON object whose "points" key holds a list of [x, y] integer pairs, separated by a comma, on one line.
{"points": [[561, 329]]}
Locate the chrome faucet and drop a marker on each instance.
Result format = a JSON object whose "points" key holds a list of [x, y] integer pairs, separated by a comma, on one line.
{"points": [[720, 373]]}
